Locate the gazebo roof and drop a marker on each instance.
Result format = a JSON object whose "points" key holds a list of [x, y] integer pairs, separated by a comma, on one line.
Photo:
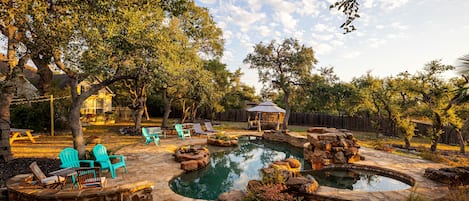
{"points": [[267, 106]]}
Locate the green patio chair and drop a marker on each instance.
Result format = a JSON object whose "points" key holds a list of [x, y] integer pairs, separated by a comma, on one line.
{"points": [[182, 133], [69, 158], [151, 134], [100, 153]]}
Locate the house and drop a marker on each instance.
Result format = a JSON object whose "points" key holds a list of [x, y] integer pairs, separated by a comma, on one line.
{"points": [[97, 109], [97, 105]]}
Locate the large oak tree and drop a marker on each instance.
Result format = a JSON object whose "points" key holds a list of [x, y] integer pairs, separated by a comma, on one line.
{"points": [[282, 66]]}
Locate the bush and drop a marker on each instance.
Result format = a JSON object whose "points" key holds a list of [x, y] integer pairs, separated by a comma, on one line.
{"points": [[36, 116], [269, 192]]}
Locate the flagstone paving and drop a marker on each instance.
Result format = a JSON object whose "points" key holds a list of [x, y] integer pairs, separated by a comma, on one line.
{"points": [[156, 164]]}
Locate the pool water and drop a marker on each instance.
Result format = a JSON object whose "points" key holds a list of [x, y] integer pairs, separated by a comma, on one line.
{"points": [[356, 180], [232, 168]]}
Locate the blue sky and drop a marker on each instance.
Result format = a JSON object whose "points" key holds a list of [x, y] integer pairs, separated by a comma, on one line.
{"points": [[393, 35]]}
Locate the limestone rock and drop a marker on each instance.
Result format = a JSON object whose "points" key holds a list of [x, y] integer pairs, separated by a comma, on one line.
{"points": [[302, 184], [339, 158], [451, 176], [234, 195]]}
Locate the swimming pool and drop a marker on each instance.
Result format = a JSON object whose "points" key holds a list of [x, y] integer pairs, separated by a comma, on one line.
{"points": [[232, 168]]}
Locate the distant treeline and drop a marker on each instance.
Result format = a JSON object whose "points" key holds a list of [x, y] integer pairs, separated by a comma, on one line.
{"points": [[354, 123]]}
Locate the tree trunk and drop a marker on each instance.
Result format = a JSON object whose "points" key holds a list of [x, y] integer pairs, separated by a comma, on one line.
{"points": [[167, 109], [7, 92], [138, 113], [6, 96], [435, 141], [287, 111], [76, 127], [461, 141], [407, 142], [45, 76]]}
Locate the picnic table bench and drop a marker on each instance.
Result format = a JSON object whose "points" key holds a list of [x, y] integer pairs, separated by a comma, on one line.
{"points": [[22, 134]]}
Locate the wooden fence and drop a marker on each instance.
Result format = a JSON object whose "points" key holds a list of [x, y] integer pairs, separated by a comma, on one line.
{"points": [[354, 123]]}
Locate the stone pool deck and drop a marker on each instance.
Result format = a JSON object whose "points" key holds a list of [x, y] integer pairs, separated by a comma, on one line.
{"points": [[156, 164]]}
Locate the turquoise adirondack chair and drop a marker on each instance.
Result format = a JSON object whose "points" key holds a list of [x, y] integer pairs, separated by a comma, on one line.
{"points": [[100, 153], [182, 133], [69, 158], [151, 134]]}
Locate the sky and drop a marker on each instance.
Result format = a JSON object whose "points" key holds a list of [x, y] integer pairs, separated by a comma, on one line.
{"points": [[392, 35]]}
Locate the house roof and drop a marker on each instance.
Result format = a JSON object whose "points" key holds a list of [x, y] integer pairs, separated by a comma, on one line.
{"points": [[267, 106]]}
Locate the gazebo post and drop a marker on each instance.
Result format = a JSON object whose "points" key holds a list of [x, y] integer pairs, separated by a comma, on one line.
{"points": [[249, 120], [259, 122], [278, 121]]}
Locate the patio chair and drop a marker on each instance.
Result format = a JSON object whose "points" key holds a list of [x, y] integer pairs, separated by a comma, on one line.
{"points": [[151, 134], [198, 130], [182, 133], [100, 153], [69, 158], [47, 182], [208, 126], [90, 178]]}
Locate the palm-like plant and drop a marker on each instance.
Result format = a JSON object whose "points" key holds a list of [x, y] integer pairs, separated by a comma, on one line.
{"points": [[462, 96], [464, 65]]}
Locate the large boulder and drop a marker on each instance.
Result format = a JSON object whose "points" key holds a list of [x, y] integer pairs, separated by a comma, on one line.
{"points": [[192, 157], [452, 176], [234, 195]]}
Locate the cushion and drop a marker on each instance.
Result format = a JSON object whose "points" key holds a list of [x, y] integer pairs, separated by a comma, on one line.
{"points": [[53, 180]]}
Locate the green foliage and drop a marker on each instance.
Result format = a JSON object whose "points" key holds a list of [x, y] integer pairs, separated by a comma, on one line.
{"points": [[277, 177], [37, 116], [282, 67], [268, 192]]}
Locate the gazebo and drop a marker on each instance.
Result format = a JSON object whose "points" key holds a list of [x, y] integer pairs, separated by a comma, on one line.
{"points": [[266, 115]]}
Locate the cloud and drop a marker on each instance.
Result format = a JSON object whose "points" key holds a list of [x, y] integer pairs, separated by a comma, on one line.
{"points": [[286, 20], [264, 30], [368, 3], [255, 5], [321, 27], [351, 55], [308, 7], [208, 1], [241, 17], [375, 42], [399, 26], [228, 57], [322, 37], [390, 5]]}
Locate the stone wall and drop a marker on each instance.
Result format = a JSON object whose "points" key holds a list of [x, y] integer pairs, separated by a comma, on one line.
{"points": [[19, 190], [330, 146]]}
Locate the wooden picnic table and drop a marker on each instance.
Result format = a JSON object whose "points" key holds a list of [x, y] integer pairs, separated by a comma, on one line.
{"points": [[21, 134]]}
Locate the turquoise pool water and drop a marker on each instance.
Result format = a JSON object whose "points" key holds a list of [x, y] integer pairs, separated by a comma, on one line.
{"points": [[356, 180], [232, 168]]}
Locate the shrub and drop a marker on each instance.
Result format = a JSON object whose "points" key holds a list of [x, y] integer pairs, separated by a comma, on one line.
{"points": [[269, 192], [36, 116]]}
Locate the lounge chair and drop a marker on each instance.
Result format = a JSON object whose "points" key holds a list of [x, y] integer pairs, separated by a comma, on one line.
{"points": [[182, 133], [152, 134], [47, 182], [69, 158], [198, 130], [100, 153], [208, 126]]}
